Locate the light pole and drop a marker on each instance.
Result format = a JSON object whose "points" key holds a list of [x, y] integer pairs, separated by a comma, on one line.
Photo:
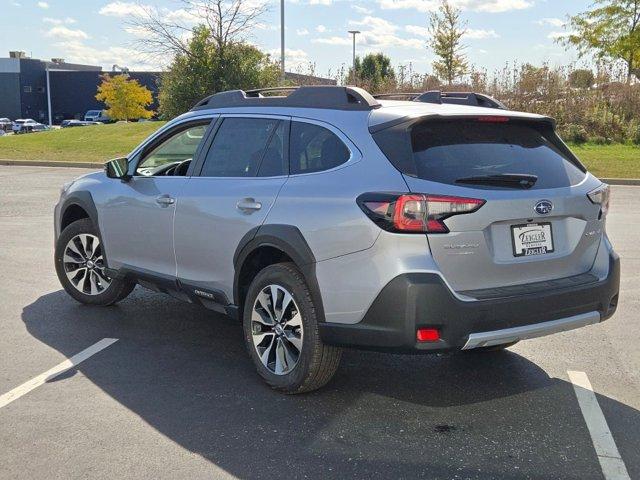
{"points": [[353, 70], [282, 73]]}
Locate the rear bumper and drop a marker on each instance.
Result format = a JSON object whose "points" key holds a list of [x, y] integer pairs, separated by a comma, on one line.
{"points": [[423, 300]]}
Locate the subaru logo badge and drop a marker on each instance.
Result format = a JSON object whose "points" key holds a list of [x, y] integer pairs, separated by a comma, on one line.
{"points": [[543, 207]]}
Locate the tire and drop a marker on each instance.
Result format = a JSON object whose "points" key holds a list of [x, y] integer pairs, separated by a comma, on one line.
{"points": [[493, 348], [295, 329], [80, 267]]}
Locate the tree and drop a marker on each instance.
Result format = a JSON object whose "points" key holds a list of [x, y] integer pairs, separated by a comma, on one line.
{"points": [[203, 70], [581, 79], [226, 22], [610, 31], [375, 71], [446, 30], [125, 99]]}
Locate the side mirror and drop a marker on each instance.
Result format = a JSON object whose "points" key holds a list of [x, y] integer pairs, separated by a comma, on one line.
{"points": [[117, 168]]}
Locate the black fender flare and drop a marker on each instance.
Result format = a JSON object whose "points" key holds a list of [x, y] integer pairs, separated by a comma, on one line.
{"points": [[289, 240], [84, 200]]}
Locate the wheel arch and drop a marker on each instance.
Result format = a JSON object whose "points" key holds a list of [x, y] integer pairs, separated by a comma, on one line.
{"points": [[76, 206], [277, 243]]}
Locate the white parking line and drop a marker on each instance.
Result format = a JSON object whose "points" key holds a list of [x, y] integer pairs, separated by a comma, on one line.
{"points": [[611, 463], [35, 382]]}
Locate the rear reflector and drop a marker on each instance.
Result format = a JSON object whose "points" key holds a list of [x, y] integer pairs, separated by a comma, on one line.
{"points": [[415, 213], [428, 335]]}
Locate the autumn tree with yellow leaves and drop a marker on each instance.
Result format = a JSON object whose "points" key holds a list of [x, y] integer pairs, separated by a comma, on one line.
{"points": [[125, 99]]}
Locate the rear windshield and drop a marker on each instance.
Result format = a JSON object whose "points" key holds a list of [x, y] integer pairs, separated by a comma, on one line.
{"points": [[447, 152]]}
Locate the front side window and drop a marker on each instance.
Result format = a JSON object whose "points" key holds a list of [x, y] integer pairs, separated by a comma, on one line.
{"points": [[315, 148], [246, 147], [174, 154]]}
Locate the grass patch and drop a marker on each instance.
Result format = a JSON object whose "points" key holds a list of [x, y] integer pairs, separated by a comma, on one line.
{"points": [[95, 143], [610, 161], [102, 142]]}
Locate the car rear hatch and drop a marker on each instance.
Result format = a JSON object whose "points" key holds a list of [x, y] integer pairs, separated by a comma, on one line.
{"points": [[536, 222]]}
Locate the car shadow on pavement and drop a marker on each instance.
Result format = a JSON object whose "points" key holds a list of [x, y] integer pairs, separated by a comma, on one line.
{"points": [[184, 370]]}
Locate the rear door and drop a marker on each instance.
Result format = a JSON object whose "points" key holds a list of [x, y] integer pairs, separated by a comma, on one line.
{"points": [[243, 171], [520, 235]]}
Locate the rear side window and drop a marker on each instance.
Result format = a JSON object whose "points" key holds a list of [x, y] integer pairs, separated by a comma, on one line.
{"points": [[315, 148], [447, 152], [246, 147]]}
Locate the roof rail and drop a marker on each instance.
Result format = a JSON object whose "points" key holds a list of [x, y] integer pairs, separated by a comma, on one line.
{"points": [[329, 97], [257, 92], [460, 98], [392, 96]]}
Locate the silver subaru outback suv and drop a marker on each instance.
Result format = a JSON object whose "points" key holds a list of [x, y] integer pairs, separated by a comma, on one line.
{"points": [[327, 218]]}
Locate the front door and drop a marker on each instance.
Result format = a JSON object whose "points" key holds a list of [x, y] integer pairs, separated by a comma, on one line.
{"points": [[137, 218], [241, 176]]}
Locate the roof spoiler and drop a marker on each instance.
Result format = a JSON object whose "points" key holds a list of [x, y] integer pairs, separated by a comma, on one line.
{"points": [[329, 97], [471, 99]]}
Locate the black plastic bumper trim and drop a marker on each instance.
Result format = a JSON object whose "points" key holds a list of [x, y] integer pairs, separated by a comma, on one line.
{"points": [[421, 300]]}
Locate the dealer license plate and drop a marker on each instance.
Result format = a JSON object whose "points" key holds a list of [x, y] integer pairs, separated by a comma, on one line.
{"points": [[532, 239]]}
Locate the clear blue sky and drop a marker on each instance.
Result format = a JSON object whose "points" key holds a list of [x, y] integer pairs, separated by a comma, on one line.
{"points": [[95, 31]]}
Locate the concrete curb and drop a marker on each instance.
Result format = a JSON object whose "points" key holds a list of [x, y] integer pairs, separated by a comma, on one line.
{"points": [[40, 163], [621, 181], [45, 163]]}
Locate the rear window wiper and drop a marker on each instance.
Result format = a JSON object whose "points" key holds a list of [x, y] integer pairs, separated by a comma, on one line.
{"points": [[510, 180]]}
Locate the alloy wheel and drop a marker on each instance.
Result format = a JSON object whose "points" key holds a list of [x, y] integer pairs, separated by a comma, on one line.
{"points": [[83, 262], [276, 329]]}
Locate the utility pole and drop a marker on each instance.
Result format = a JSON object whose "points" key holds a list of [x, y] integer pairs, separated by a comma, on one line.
{"points": [[353, 70], [282, 72]]}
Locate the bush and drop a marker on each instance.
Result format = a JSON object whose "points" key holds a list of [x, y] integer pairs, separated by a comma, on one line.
{"points": [[582, 79], [634, 133], [589, 104], [573, 133]]}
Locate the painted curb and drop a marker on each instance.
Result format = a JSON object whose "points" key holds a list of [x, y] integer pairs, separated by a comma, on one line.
{"points": [[39, 163]]}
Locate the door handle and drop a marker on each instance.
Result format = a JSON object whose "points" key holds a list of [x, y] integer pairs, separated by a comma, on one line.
{"points": [[165, 200], [249, 205]]}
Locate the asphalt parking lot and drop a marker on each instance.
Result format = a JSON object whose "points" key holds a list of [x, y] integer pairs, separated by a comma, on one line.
{"points": [[176, 395]]}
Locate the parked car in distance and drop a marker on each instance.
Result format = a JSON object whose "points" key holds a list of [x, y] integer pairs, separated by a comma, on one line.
{"points": [[5, 124], [329, 218], [96, 116], [27, 125], [77, 123]]}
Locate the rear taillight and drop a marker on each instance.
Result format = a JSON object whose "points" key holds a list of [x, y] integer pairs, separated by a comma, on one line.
{"points": [[415, 213], [601, 196]]}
